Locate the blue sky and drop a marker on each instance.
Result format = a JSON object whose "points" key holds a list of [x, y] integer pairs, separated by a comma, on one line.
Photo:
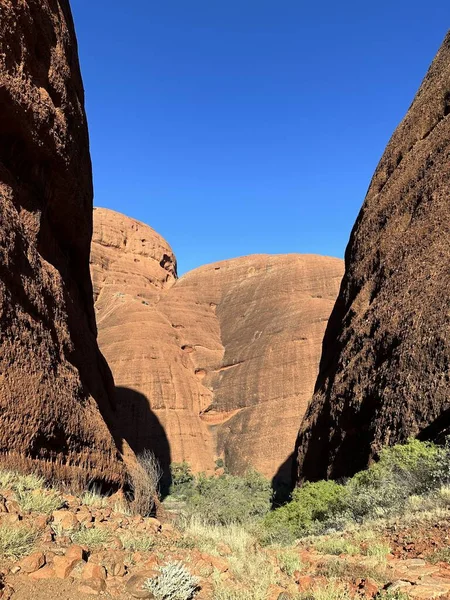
{"points": [[248, 126]]}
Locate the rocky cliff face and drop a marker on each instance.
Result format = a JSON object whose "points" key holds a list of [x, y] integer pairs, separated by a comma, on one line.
{"points": [[384, 371], [219, 363], [55, 388]]}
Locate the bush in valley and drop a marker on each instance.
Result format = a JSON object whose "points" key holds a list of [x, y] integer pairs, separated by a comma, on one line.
{"points": [[182, 479], [415, 469], [231, 499], [223, 499], [311, 504]]}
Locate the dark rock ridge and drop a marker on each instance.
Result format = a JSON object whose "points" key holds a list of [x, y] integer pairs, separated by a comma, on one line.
{"points": [[384, 372], [56, 390]]}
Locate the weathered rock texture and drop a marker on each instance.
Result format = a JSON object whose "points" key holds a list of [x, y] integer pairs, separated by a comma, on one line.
{"points": [[54, 383], [221, 361], [384, 371]]}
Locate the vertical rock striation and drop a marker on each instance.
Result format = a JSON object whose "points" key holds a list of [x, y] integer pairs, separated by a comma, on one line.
{"points": [[56, 390], [384, 373], [220, 363]]}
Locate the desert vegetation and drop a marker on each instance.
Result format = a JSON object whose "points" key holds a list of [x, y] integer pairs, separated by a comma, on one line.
{"points": [[407, 479], [220, 538]]}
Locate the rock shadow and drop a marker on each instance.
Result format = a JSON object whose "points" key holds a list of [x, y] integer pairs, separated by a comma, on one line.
{"points": [[438, 430], [141, 428], [282, 482]]}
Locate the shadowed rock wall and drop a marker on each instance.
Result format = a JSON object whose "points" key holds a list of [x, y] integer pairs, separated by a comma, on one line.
{"points": [[56, 390], [384, 373]]}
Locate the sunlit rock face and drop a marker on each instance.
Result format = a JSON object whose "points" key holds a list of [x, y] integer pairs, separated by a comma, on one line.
{"points": [[221, 362], [56, 391]]}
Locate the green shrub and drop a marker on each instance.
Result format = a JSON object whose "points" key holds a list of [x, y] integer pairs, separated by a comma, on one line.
{"points": [[230, 499], [174, 582], [182, 479], [415, 470], [404, 470], [311, 504]]}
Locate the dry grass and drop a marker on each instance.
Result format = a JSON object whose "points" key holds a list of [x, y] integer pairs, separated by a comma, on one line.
{"points": [[209, 538], [137, 543], [337, 546], [16, 540], [91, 537], [145, 477], [333, 590], [289, 562], [340, 568], [39, 501], [94, 498]]}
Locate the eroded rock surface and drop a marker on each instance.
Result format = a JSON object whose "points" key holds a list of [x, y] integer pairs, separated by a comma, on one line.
{"points": [[55, 387], [384, 372], [219, 363]]}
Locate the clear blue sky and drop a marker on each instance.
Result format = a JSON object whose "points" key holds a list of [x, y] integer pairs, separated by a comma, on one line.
{"points": [[235, 127]]}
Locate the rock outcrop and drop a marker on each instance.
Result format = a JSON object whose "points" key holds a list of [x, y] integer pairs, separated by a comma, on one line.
{"points": [[56, 390], [220, 363], [384, 373]]}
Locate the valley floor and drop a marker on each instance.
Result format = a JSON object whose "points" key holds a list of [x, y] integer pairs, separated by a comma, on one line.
{"points": [[60, 546]]}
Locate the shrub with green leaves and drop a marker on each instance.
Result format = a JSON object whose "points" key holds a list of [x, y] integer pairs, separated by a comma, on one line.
{"points": [[231, 499], [412, 470], [311, 504], [404, 470], [182, 479], [174, 582]]}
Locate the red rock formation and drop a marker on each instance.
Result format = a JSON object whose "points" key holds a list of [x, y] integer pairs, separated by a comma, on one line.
{"points": [[222, 361], [54, 383], [384, 372]]}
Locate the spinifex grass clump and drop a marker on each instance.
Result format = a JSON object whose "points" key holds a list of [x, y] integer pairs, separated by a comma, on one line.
{"points": [[91, 537], [16, 540], [39, 500]]}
